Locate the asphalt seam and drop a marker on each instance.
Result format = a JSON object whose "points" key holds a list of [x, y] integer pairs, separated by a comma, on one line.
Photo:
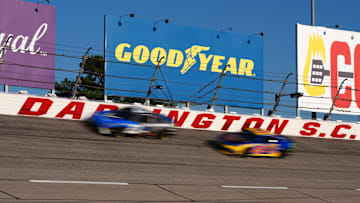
{"points": [[9, 195], [311, 196], [172, 192]]}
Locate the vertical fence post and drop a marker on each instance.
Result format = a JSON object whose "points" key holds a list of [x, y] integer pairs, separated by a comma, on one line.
{"points": [[226, 108], [328, 115], [187, 105], [277, 96], [3, 51], [4, 48], [6, 88], [217, 88], [78, 79], [147, 100]]}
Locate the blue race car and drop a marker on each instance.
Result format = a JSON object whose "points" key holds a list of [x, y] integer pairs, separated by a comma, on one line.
{"points": [[133, 121], [254, 142]]}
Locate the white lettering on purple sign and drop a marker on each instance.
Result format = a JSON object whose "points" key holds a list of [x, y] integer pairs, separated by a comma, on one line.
{"points": [[18, 43]]}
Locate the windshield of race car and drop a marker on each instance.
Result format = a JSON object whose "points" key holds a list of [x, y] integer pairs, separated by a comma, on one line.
{"points": [[239, 137]]}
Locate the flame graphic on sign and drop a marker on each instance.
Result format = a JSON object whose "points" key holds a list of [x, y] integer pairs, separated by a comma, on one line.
{"points": [[316, 49]]}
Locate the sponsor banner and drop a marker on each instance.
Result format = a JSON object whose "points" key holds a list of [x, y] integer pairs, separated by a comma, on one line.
{"points": [[12, 104], [31, 28], [191, 61], [328, 60]]}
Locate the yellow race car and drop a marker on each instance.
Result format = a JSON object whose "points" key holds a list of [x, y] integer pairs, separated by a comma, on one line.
{"points": [[254, 142]]}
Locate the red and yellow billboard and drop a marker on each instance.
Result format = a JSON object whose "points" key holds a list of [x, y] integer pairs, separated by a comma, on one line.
{"points": [[328, 69]]}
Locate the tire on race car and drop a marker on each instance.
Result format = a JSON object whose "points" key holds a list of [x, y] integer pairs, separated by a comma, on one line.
{"points": [[165, 133], [246, 153], [282, 154], [104, 131], [162, 135], [111, 132]]}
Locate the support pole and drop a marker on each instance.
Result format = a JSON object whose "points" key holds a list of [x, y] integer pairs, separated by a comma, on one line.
{"points": [[313, 24], [3, 51], [297, 112], [328, 115], [153, 79], [78, 79], [313, 12], [187, 105], [226, 109], [277, 96]]}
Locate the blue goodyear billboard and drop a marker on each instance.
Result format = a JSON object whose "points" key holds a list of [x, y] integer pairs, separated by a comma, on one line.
{"points": [[190, 60]]}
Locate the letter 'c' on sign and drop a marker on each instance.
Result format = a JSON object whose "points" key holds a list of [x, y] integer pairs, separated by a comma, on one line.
{"points": [[335, 133]]}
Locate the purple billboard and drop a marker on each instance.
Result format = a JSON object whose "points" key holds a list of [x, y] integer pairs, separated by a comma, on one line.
{"points": [[29, 31]]}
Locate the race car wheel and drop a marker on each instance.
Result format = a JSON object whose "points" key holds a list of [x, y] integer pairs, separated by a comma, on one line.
{"points": [[246, 153], [104, 131], [162, 135], [118, 133], [282, 154]]}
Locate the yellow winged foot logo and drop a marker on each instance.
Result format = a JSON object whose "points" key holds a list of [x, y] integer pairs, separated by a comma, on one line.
{"points": [[191, 53]]}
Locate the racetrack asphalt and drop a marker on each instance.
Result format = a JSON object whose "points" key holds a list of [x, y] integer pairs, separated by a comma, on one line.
{"points": [[51, 160]]}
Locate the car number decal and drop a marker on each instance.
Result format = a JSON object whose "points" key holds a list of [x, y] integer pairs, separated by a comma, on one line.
{"points": [[264, 149]]}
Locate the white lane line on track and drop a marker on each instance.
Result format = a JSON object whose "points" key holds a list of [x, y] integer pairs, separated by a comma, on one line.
{"points": [[358, 189], [254, 187], [78, 182]]}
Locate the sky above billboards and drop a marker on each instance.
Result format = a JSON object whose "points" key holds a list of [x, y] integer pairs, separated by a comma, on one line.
{"points": [[80, 24]]}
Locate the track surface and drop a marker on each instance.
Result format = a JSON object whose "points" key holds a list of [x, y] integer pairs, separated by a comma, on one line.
{"points": [[179, 169]]}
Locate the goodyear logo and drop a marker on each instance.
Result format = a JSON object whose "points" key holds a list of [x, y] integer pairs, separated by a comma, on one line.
{"points": [[186, 59]]}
